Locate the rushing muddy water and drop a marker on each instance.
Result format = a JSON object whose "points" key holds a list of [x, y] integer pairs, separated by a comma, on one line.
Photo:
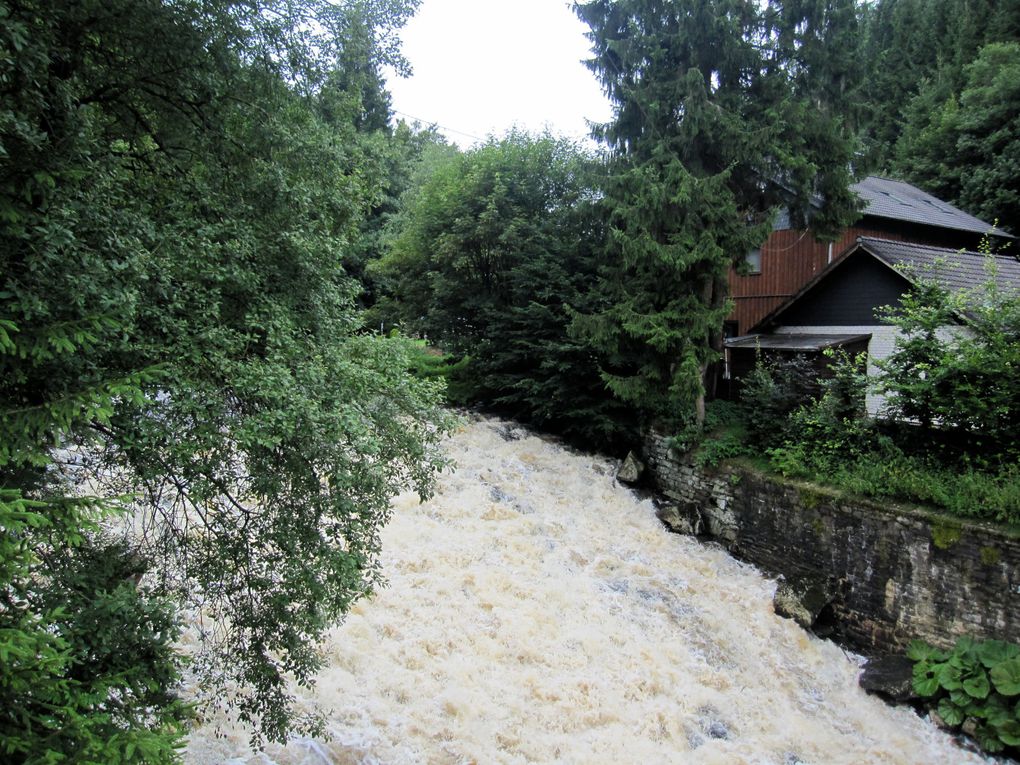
{"points": [[538, 612]]}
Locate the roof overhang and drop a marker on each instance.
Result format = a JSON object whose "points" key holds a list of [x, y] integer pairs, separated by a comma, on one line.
{"points": [[794, 342]]}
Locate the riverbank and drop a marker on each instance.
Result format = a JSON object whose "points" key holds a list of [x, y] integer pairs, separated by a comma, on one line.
{"points": [[892, 573]]}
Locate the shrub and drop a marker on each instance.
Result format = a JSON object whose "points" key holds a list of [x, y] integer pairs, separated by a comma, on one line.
{"points": [[722, 435], [965, 382], [773, 390], [830, 430]]}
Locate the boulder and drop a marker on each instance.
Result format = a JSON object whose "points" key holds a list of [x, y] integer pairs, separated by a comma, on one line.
{"points": [[512, 432], [803, 599], [682, 518], [889, 676], [631, 470]]}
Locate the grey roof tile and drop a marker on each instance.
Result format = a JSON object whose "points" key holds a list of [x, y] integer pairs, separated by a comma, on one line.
{"points": [[886, 198]]}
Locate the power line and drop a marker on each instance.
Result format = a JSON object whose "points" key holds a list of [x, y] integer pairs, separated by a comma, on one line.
{"points": [[441, 127]]}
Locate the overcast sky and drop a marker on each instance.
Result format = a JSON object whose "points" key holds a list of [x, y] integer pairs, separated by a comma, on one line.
{"points": [[483, 66]]}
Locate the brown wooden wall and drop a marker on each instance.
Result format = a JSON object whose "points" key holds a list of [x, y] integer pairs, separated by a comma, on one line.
{"points": [[791, 258]]}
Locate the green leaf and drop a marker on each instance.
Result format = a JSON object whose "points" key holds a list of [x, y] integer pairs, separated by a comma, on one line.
{"points": [[1006, 677], [949, 675], [993, 652], [996, 712], [977, 685], [960, 697], [950, 712], [988, 739], [1009, 732], [918, 650], [924, 680]]}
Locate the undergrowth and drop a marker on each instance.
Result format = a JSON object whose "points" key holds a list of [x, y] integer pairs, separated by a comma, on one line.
{"points": [[828, 439]]}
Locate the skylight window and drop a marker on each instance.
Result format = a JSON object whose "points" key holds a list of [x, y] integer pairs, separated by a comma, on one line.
{"points": [[896, 198]]}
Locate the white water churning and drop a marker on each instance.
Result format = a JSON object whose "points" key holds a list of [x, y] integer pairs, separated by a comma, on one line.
{"points": [[538, 612]]}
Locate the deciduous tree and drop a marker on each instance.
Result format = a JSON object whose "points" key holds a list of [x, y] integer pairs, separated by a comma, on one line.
{"points": [[488, 253], [175, 207]]}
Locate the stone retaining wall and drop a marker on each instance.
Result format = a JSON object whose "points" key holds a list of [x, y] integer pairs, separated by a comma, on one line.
{"points": [[898, 573]]}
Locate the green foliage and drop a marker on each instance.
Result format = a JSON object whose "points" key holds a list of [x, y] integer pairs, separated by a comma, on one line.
{"points": [[722, 436], [964, 383], [917, 53], [962, 143], [722, 446], [88, 671], [180, 186], [772, 392], [429, 363], [829, 439], [966, 492], [489, 250], [713, 130], [976, 682]]}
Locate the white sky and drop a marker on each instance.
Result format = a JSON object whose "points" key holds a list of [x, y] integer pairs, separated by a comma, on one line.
{"points": [[484, 66]]}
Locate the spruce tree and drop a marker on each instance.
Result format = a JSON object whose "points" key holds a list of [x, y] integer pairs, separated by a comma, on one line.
{"points": [[723, 113]]}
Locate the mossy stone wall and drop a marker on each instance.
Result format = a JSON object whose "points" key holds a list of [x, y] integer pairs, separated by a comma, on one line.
{"points": [[900, 573]]}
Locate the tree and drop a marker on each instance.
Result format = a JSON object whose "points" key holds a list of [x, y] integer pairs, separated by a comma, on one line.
{"points": [[174, 209], [724, 111], [917, 53], [956, 365], [487, 254], [965, 146], [88, 670]]}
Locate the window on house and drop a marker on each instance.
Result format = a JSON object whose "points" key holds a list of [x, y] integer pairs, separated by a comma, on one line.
{"points": [[753, 260]]}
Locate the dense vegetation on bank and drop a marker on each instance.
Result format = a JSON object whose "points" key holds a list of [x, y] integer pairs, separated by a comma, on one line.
{"points": [[947, 437], [207, 216], [186, 189]]}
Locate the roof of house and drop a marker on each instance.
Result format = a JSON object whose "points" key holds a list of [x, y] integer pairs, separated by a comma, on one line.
{"points": [[898, 200], [794, 342], [956, 270]]}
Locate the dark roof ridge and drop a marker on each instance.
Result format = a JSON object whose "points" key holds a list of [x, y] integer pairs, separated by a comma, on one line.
{"points": [[949, 250]]}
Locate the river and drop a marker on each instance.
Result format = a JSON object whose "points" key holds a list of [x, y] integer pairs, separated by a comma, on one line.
{"points": [[538, 612]]}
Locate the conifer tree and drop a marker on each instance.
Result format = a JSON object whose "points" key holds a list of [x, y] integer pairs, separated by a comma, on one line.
{"points": [[723, 112]]}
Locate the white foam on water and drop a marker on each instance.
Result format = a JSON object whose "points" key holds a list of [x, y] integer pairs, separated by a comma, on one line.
{"points": [[538, 612]]}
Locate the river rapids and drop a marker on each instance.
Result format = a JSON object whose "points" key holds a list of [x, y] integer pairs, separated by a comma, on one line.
{"points": [[538, 612]]}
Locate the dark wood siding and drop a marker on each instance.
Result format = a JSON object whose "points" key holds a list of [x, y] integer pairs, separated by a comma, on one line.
{"points": [[848, 296], [791, 258]]}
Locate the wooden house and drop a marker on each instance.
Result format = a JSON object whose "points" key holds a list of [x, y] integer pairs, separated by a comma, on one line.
{"points": [[791, 258], [842, 306]]}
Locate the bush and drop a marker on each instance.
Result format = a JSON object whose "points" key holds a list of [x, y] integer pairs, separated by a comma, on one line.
{"points": [[722, 435], [775, 389], [966, 382], [830, 430]]}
